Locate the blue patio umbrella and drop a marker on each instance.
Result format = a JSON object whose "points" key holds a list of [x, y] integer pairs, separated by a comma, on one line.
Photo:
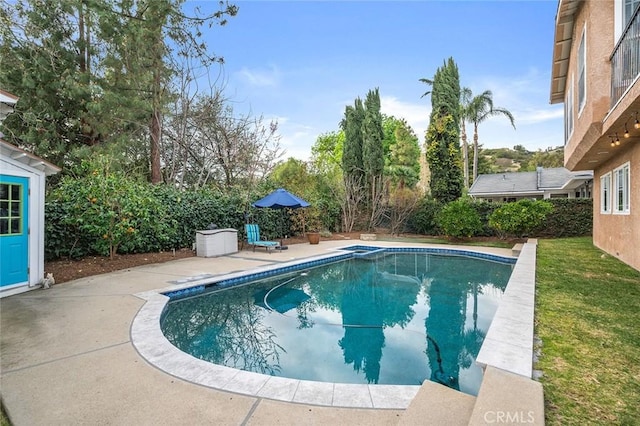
{"points": [[281, 199]]}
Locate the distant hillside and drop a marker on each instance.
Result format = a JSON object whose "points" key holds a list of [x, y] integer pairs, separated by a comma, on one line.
{"points": [[518, 159]]}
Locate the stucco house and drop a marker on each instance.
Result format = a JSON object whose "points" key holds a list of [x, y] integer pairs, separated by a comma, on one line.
{"points": [[596, 74], [556, 182], [22, 186]]}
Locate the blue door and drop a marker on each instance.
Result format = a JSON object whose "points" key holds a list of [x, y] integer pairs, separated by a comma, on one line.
{"points": [[14, 230]]}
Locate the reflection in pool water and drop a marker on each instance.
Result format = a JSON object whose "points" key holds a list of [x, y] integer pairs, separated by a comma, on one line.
{"points": [[399, 319]]}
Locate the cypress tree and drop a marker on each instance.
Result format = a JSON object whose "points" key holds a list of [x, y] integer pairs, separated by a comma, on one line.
{"points": [[372, 136], [442, 139], [352, 164], [372, 149]]}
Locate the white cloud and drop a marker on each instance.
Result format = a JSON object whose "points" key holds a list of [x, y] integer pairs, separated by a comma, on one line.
{"points": [[296, 139], [260, 77], [539, 115], [417, 115], [525, 96]]}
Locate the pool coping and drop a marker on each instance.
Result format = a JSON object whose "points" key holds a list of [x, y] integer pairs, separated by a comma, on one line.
{"points": [[149, 341], [508, 344]]}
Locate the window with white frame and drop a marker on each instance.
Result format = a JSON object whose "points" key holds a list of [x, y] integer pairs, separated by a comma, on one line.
{"points": [[568, 112], [621, 189], [582, 73], [605, 193]]}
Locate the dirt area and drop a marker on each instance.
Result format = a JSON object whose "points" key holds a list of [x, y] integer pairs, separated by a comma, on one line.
{"points": [[67, 270]]}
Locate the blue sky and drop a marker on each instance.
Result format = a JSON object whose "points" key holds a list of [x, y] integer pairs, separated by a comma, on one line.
{"points": [[302, 62]]}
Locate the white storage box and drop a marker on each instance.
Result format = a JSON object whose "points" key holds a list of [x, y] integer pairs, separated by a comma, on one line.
{"points": [[216, 242]]}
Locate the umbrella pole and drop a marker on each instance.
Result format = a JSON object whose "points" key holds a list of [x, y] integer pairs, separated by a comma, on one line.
{"points": [[282, 246]]}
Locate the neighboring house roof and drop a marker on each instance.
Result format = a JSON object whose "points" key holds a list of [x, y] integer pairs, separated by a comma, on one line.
{"points": [[528, 183]]}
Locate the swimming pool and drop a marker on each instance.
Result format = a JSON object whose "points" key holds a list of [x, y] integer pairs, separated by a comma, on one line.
{"points": [[377, 316]]}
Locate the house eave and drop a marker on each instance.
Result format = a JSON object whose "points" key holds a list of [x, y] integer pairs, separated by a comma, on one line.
{"points": [[506, 194], [28, 159], [8, 98], [562, 41]]}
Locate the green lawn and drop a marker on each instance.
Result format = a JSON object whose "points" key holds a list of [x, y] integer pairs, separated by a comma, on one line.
{"points": [[588, 318]]}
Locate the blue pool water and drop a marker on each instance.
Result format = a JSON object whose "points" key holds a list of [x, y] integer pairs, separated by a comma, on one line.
{"points": [[393, 318]]}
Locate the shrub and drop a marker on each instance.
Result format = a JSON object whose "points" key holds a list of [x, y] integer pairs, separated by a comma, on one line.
{"points": [[519, 218], [569, 218], [459, 219], [403, 202], [62, 237], [102, 213], [106, 212], [485, 209], [423, 220]]}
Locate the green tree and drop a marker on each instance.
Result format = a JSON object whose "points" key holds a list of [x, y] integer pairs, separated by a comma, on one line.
{"points": [[465, 101], [150, 33], [352, 165], [326, 152], [403, 160], [479, 110], [292, 174], [389, 125], [96, 73], [548, 159], [373, 156], [442, 140], [39, 62], [351, 124], [372, 136], [326, 160]]}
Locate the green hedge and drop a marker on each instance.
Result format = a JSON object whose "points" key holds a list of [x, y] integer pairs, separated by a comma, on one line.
{"points": [[459, 219], [521, 218], [485, 209], [568, 218], [104, 213], [108, 213], [424, 219]]}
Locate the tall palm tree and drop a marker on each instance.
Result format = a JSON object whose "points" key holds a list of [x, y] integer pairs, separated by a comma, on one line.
{"points": [[480, 109], [465, 101]]}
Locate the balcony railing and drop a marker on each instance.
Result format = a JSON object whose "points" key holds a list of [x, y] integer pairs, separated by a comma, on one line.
{"points": [[625, 59]]}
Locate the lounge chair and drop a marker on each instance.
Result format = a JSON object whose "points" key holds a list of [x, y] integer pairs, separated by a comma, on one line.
{"points": [[253, 238]]}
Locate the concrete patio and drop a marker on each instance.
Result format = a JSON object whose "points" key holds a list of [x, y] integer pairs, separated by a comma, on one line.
{"points": [[67, 358]]}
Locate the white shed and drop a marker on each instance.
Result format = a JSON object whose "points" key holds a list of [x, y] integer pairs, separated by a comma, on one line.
{"points": [[22, 187]]}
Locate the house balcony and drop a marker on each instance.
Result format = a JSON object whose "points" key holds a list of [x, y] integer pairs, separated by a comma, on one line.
{"points": [[625, 60], [611, 130]]}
